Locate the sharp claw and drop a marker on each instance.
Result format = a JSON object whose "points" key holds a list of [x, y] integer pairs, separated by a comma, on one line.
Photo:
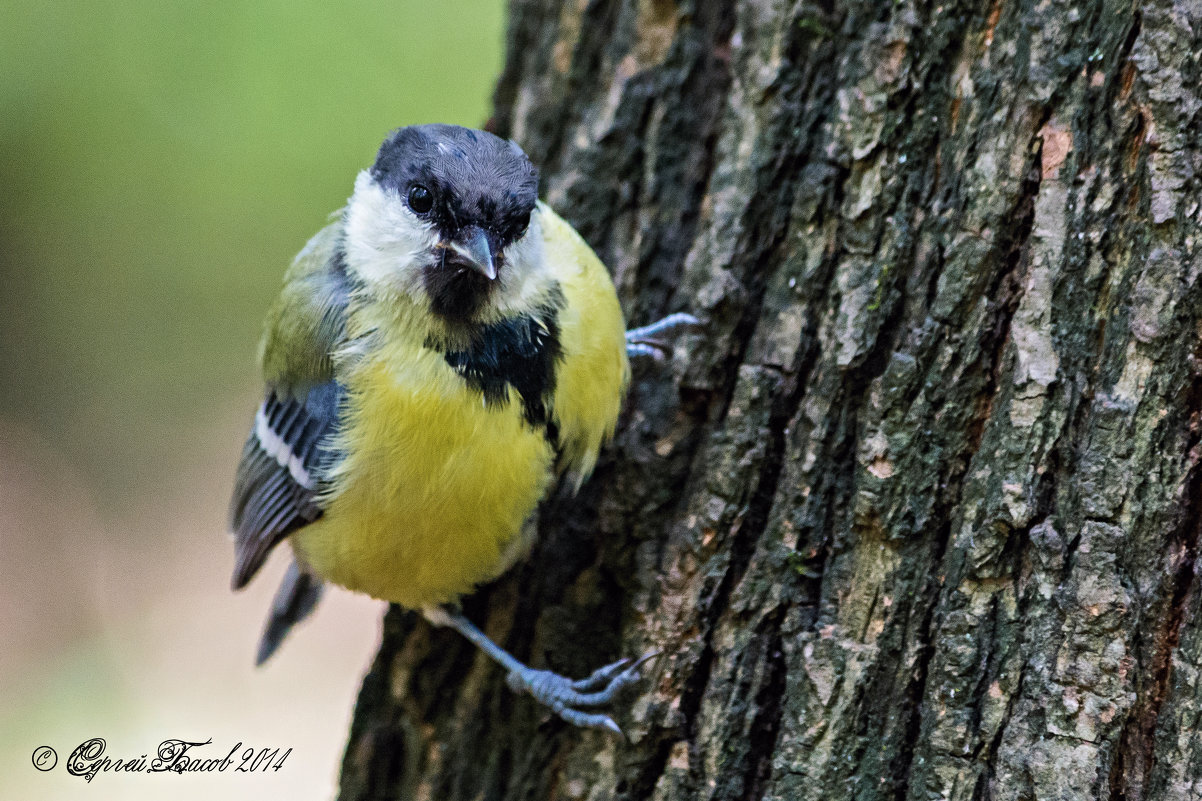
{"points": [[669, 323], [608, 723], [645, 658], [604, 676], [558, 693], [633, 670], [643, 349], [568, 699], [585, 720], [648, 342]]}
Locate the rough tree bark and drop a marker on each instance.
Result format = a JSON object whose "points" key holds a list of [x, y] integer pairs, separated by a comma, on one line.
{"points": [[918, 515]]}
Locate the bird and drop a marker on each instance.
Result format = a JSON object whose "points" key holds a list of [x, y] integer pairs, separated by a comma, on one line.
{"points": [[440, 354]]}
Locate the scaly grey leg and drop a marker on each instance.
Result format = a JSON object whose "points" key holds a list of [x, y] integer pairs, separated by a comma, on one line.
{"points": [[649, 339], [562, 695]]}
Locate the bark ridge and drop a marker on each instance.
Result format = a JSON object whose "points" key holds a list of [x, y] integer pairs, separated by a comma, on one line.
{"points": [[918, 515]]}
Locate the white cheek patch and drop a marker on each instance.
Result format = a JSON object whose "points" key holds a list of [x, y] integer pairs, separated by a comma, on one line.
{"points": [[388, 246], [524, 276], [386, 243]]}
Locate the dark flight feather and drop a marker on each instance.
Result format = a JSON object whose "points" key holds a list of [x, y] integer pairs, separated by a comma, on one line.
{"points": [[278, 482]]}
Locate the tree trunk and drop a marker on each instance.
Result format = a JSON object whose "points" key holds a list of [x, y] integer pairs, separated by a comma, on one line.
{"points": [[917, 515]]}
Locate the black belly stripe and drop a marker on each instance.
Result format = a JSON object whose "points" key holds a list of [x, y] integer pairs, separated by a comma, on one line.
{"points": [[519, 352]]}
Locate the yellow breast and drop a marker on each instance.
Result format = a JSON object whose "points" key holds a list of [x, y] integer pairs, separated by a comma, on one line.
{"points": [[431, 500], [435, 483]]}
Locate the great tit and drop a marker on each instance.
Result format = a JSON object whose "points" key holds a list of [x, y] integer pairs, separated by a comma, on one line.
{"points": [[438, 355]]}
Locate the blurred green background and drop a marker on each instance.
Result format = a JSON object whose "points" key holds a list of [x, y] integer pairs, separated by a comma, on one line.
{"points": [[160, 163]]}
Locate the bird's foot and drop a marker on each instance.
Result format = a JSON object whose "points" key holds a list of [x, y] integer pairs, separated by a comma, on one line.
{"points": [[652, 340], [564, 696], [570, 698]]}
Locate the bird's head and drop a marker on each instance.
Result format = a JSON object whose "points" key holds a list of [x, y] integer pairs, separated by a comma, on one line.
{"points": [[444, 215]]}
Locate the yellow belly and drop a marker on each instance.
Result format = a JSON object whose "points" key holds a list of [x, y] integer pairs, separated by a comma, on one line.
{"points": [[432, 494]]}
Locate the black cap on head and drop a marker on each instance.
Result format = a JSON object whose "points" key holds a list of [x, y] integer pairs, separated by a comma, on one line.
{"points": [[473, 177]]}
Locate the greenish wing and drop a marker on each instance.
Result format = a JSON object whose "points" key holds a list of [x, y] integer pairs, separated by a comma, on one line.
{"points": [[277, 487], [307, 320]]}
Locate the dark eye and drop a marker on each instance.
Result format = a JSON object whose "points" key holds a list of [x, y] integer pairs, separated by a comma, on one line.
{"points": [[520, 225], [420, 199]]}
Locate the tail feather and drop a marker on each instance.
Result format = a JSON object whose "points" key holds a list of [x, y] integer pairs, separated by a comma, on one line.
{"points": [[298, 594]]}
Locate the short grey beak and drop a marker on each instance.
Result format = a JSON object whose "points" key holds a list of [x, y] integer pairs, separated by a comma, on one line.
{"points": [[472, 247]]}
